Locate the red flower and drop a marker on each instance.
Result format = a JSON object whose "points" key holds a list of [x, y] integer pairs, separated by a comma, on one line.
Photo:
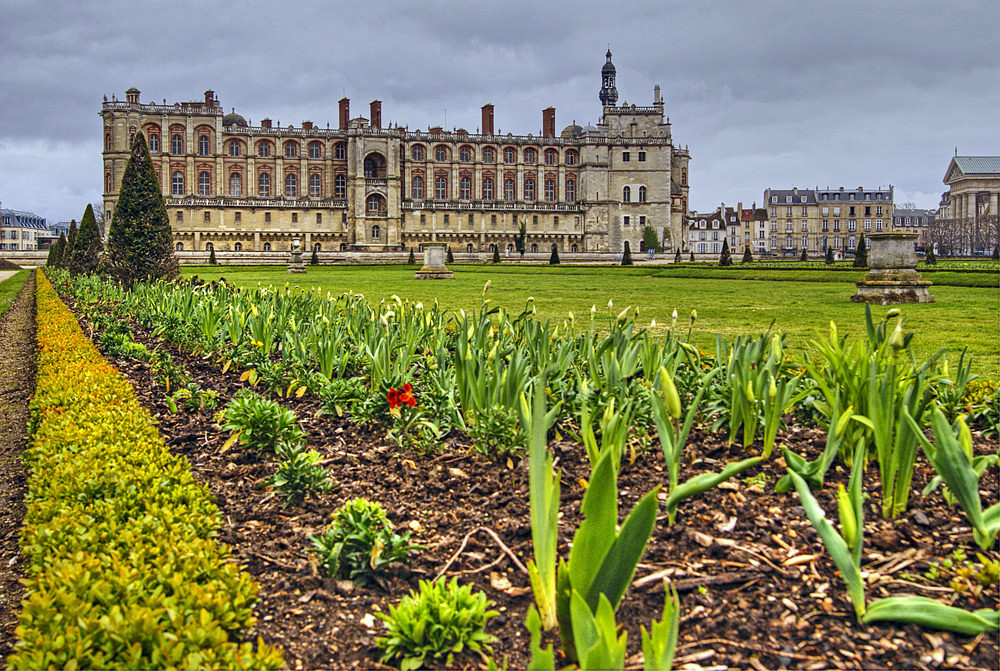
{"points": [[393, 398], [406, 397], [397, 397]]}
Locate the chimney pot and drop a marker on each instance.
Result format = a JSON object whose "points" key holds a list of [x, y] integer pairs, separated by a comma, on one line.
{"points": [[488, 119], [345, 112], [549, 122], [376, 114]]}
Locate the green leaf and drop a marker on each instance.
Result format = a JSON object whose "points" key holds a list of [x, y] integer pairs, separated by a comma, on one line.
{"points": [[933, 615], [706, 481]]}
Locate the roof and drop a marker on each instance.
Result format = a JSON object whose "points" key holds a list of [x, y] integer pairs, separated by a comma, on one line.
{"points": [[20, 219], [978, 165]]}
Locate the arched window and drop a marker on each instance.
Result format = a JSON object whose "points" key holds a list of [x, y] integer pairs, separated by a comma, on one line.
{"points": [[573, 248], [550, 157], [465, 188], [550, 190], [340, 186], [534, 247], [487, 188], [107, 142], [376, 232], [234, 147], [264, 149], [510, 247], [529, 156], [375, 204], [468, 248], [317, 247], [417, 191], [315, 185], [417, 153], [203, 145], [684, 176], [627, 195], [209, 246], [179, 246], [235, 184], [465, 154], [508, 190], [290, 150], [440, 153], [291, 185], [493, 248], [529, 189], [642, 194], [176, 144], [264, 185], [489, 156], [570, 190], [267, 246], [177, 183], [441, 188], [154, 144], [340, 151], [315, 150], [508, 155], [238, 247], [108, 183], [204, 184], [572, 158]]}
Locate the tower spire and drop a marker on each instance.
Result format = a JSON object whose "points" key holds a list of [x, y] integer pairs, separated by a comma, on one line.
{"points": [[609, 94]]}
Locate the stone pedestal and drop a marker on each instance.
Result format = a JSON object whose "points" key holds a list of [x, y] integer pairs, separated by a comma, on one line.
{"points": [[434, 268], [296, 265], [892, 276]]}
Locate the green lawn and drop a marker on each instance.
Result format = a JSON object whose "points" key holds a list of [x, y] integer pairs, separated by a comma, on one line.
{"points": [[9, 289], [726, 303]]}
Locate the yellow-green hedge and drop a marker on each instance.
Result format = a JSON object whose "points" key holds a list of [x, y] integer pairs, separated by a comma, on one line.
{"points": [[123, 568]]}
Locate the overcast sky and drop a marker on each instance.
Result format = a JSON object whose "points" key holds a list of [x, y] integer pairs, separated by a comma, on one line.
{"points": [[765, 93]]}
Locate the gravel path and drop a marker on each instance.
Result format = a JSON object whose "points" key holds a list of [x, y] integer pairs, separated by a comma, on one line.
{"points": [[17, 384]]}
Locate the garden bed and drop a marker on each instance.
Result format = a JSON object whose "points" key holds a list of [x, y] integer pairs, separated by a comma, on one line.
{"points": [[757, 587]]}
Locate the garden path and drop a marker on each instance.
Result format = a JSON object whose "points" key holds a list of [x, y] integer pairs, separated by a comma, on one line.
{"points": [[6, 274], [17, 383]]}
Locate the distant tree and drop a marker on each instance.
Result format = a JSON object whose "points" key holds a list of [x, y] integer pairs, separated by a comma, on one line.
{"points": [[931, 259], [996, 251], [627, 256], [102, 227], [51, 260], [70, 241], [496, 254], [522, 234], [861, 254], [677, 256], [554, 258], [314, 259], [87, 250], [803, 256], [60, 246], [747, 254], [649, 239], [411, 260], [212, 261], [140, 245], [725, 258], [829, 256], [450, 258], [692, 256]]}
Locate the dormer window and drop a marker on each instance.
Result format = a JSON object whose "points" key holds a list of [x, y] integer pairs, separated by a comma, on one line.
{"points": [[803, 200]]}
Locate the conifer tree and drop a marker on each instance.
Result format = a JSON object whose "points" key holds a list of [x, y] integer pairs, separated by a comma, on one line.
{"points": [[496, 255], [450, 258], [522, 234], [87, 249], [51, 260], [212, 261], [314, 259], [412, 260], [829, 256], [803, 256], [57, 260], [861, 254], [70, 241], [692, 256], [554, 258], [996, 252], [747, 254], [677, 256], [931, 259], [627, 256], [725, 258], [140, 245]]}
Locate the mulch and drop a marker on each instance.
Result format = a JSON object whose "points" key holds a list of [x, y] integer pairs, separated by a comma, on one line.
{"points": [[757, 588]]}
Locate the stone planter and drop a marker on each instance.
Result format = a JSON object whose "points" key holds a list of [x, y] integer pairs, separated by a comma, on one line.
{"points": [[434, 268], [892, 276]]}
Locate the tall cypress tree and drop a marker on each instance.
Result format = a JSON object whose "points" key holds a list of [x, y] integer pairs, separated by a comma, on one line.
{"points": [[554, 257], [60, 248], [829, 256], [726, 257], [861, 254], [70, 241], [627, 256], [747, 255], [140, 246], [87, 250], [677, 256]]}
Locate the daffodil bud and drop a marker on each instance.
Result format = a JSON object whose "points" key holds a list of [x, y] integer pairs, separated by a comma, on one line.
{"points": [[571, 317], [652, 324], [896, 339], [383, 321], [833, 331], [750, 397], [593, 311], [670, 396], [848, 523], [622, 316], [491, 357], [486, 287], [611, 304], [843, 421], [694, 316], [772, 390], [892, 313], [673, 318], [776, 348]]}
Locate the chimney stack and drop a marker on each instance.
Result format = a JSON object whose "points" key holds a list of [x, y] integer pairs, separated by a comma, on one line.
{"points": [[345, 112], [265, 123], [549, 122], [209, 98], [307, 125], [376, 114], [488, 119], [132, 95]]}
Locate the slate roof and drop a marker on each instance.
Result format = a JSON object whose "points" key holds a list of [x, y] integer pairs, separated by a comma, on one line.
{"points": [[978, 165]]}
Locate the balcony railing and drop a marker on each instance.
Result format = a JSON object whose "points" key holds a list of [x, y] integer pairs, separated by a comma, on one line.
{"points": [[274, 203], [492, 206]]}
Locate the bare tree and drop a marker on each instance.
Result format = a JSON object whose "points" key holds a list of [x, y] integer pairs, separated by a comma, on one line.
{"points": [[99, 216]]}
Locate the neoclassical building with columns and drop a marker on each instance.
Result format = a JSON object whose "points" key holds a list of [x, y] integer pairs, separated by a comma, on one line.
{"points": [[230, 185]]}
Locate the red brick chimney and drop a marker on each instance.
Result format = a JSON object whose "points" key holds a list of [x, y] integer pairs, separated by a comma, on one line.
{"points": [[487, 119], [345, 112], [265, 123], [307, 125], [209, 98], [376, 114], [549, 122]]}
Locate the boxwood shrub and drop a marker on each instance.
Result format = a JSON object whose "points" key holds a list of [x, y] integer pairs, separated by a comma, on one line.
{"points": [[123, 570]]}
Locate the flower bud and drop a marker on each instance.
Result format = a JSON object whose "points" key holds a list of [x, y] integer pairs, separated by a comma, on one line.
{"points": [[833, 331], [671, 398], [772, 390], [749, 391], [848, 523], [892, 313], [486, 287], [383, 321], [673, 317], [843, 421], [896, 339], [622, 316], [611, 304], [652, 324], [694, 316]]}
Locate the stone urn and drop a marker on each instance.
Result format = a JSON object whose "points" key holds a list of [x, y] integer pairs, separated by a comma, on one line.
{"points": [[892, 276], [434, 268], [296, 265]]}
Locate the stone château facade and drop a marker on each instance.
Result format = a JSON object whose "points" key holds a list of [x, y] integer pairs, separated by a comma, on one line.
{"points": [[232, 186]]}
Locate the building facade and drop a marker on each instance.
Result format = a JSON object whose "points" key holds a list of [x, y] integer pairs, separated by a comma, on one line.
{"points": [[910, 220], [20, 231], [968, 221], [229, 185], [815, 219]]}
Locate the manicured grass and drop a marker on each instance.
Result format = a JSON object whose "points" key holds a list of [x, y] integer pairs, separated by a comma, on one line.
{"points": [[961, 317], [9, 289]]}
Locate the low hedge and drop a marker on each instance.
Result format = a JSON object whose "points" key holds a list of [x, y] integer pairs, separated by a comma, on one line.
{"points": [[123, 570]]}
